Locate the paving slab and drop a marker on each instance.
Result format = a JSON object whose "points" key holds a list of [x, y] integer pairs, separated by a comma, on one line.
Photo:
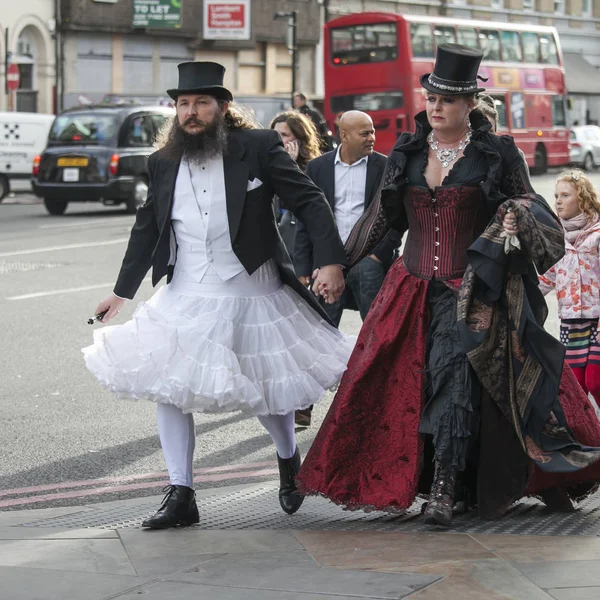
{"points": [[266, 573], [588, 593], [44, 584], [87, 555], [175, 591], [53, 533], [565, 574], [373, 550], [537, 548]]}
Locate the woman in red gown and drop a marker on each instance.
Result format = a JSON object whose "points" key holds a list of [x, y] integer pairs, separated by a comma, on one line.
{"points": [[454, 388]]}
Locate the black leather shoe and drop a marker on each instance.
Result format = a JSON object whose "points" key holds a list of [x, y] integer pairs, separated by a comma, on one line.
{"points": [[289, 499], [178, 508]]}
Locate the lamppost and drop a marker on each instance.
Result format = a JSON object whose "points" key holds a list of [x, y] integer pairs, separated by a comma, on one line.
{"points": [[291, 38]]}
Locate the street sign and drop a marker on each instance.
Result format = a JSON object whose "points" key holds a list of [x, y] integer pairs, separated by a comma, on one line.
{"points": [[13, 77], [227, 19], [156, 13]]}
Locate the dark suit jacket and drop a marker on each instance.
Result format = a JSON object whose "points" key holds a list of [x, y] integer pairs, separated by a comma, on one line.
{"points": [[322, 171], [252, 154]]}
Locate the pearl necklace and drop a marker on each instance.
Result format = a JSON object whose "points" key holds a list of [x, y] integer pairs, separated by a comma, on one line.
{"points": [[448, 155]]}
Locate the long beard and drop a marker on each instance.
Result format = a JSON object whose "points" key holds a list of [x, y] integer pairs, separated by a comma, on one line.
{"points": [[198, 147]]}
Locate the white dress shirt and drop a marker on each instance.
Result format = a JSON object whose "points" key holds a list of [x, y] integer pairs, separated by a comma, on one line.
{"points": [[349, 197]]}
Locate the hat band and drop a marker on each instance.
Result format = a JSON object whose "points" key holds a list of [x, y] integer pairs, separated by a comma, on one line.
{"points": [[450, 86]]}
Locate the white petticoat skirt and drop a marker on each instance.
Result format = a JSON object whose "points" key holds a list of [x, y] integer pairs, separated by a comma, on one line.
{"points": [[250, 343]]}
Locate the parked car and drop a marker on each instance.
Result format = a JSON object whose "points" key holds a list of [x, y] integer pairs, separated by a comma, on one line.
{"points": [[585, 146], [22, 136], [98, 153]]}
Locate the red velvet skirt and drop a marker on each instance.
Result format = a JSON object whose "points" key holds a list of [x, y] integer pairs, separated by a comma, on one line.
{"points": [[368, 453]]}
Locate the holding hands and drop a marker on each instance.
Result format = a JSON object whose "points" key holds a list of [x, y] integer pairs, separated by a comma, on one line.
{"points": [[329, 283]]}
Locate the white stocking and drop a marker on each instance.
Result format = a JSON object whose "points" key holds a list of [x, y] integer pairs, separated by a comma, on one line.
{"points": [[178, 440], [281, 429]]}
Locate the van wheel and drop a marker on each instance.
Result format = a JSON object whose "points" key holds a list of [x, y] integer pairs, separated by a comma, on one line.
{"points": [[4, 187], [138, 195], [541, 160], [588, 162], [55, 207]]}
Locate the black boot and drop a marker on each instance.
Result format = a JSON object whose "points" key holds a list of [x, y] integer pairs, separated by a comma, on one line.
{"points": [[441, 497], [178, 508], [289, 499]]}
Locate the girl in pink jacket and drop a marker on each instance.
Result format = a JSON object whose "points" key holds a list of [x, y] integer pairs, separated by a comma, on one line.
{"points": [[577, 277]]}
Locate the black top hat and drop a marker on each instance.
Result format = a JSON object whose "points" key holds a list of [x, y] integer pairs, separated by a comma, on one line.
{"points": [[455, 71], [201, 78]]}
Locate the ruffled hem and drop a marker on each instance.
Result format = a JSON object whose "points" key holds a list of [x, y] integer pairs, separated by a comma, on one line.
{"points": [[264, 355]]}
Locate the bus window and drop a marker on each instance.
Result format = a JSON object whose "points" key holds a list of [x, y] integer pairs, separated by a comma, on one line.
{"points": [[490, 44], [422, 41], [511, 47], [375, 42], [367, 102], [500, 104], [549, 51], [467, 36], [444, 35], [559, 117], [531, 47]]}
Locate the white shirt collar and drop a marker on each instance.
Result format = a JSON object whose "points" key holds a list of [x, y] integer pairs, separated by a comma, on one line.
{"points": [[339, 160]]}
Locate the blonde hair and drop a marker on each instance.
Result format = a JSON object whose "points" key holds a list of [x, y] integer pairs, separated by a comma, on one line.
{"points": [[586, 193], [486, 104]]}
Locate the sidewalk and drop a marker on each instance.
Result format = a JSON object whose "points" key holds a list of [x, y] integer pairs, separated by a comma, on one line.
{"points": [[246, 549]]}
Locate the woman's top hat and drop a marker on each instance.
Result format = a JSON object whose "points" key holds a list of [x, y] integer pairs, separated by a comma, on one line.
{"points": [[455, 71], [201, 78]]}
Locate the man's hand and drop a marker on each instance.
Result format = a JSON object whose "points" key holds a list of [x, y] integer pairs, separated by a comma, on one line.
{"points": [[373, 257], [112, 304], [304, 280], [329, 283]]}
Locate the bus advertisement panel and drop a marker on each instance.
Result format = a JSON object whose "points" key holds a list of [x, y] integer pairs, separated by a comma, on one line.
{"points": [[373, 62]]}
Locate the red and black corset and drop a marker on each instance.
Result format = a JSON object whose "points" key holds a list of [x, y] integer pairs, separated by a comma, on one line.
{"points": [[442, 224]]}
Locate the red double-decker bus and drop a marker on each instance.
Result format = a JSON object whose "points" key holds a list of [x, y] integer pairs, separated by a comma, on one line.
{"points": [[373, 62]]}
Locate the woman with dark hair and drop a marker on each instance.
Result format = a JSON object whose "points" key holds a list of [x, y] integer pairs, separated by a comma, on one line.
{"points": [[453, 376]]}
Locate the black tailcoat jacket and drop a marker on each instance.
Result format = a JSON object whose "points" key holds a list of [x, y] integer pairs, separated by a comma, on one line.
{"points": [[253, 154]]}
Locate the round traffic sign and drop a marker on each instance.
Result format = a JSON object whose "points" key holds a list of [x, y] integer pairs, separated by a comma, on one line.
{"points": [[13, 77]]}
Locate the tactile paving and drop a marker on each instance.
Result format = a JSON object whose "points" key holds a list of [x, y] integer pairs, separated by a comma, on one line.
{"points": [[258, 508]]}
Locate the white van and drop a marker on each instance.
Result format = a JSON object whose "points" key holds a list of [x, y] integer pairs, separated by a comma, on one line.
{"points": [[22, 137]]}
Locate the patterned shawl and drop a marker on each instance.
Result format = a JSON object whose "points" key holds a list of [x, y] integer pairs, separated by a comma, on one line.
{"points": [[501, 313]]}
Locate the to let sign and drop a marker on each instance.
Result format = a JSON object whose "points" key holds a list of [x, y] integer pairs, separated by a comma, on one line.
{"points": [[156, 13], [13, 77], [225, 20]]}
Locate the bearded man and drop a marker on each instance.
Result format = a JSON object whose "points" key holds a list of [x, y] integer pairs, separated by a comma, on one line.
{"points": [[233, 329]]}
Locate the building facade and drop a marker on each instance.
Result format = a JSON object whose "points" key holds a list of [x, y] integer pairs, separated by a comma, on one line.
{"points": [[577, 22], [107, 52], [30, 44]]}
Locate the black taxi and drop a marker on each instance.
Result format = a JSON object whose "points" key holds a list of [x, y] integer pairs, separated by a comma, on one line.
{"points": [[98, 153]]}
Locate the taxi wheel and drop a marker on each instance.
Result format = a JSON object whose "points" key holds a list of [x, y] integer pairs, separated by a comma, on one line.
{"points": [[588, 162], [55, 207], [138, 195]]}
